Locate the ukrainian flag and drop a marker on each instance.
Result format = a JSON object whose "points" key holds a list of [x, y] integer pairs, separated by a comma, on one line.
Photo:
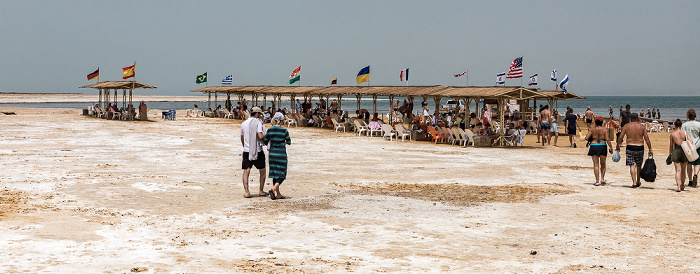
{"points": [[363, 75]]}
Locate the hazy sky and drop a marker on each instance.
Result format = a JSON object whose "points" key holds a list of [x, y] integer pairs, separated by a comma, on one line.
{"points": [[606, 47]]}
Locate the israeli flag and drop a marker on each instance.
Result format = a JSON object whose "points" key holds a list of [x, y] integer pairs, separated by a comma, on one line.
{"points": [[501, 79], [564, 83], [554, 75], [533, 80], [227, 80]]}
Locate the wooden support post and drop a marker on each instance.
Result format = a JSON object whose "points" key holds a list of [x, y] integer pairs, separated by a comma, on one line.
{"points": [[292, 105], [209, 100], [437, 105], [410, 114], [340, 104], [391, 108], [374, 104]]}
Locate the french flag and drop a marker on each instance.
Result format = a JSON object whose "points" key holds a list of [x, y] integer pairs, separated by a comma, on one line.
{"points": [[404, 75]]}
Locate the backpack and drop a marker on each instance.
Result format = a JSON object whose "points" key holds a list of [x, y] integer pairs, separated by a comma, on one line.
{"points": [[648, 172]]}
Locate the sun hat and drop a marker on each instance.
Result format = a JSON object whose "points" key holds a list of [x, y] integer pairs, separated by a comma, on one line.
{"points": [[255, 109]]}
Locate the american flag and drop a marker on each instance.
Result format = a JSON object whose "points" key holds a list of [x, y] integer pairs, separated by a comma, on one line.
{"points": [[460, 74], [516, 68]]}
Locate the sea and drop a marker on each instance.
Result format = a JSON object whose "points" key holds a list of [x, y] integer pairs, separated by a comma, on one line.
{"points": [[672, 107]]}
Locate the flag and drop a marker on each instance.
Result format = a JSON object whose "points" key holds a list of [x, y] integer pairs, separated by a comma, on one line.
{"points": [[129, 71], [202, 78], [501, 79], [564, 84], [227, 81], [334, 81], [404, 75], [554, 75], [295, 76], [516, 68], [363, 75], [533, 80], [460, 74], [95, 74]]}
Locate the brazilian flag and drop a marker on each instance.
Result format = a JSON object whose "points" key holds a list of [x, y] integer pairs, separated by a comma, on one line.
{"points": [[202, 78]]}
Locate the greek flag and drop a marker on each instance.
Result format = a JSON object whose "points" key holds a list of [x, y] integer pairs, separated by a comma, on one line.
{"points": [[533, 80], [501, 79], [564, 83], [554, 75], [227, 80]]}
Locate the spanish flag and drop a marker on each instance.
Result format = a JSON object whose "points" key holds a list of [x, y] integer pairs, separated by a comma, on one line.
{"points": [[363, 75], [94, 75], [334, 81], [129, 71]]}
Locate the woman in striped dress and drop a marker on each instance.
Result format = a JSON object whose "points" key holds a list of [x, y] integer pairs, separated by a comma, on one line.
{"points": [[277, 138]]}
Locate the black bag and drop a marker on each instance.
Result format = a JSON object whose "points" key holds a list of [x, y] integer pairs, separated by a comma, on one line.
{"points": [[648, 172]]}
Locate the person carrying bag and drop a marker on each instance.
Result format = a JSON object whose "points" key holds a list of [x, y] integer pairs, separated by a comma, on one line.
{"points": [[689, 149], [648, 172]]}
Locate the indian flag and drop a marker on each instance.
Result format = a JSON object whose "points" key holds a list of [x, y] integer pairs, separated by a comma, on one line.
{"points": [[296, 75]]}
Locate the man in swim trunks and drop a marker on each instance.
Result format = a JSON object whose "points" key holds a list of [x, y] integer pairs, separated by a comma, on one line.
{"points": [[589, 118], [544, 119], [636, 134], [571, 125]]}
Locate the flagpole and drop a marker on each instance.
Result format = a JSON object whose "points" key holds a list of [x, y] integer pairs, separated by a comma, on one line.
{"points": [[467, 78]]}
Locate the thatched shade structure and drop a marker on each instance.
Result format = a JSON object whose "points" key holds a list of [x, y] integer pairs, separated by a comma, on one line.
{"points": [[466, 93], [116, 86]]}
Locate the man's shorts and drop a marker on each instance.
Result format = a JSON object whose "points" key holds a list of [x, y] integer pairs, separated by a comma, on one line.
{"points": [[571, 131], [634, 156], [545, 125], [258, 163], [588, 121]]}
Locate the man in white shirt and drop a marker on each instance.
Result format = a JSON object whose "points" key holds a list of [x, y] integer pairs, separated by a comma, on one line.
{"points": [[692, 127], [252, 134]]}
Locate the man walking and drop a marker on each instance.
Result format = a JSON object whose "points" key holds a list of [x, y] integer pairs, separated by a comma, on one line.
{"points": [[571, 125], [636, 134], [252, 135], [545, 117], [589, 118], [692, 127]]}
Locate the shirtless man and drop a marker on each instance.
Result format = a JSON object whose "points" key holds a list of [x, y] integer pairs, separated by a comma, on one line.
{"points": [[636, 135], [589, 118], [544, 119]]}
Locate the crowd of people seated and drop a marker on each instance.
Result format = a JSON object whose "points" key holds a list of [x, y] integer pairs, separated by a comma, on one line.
{"points": [[114, 113]]}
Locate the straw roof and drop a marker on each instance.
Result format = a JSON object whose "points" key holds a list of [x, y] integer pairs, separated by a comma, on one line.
{"points": [[492, 92], [118, 85], [560, 95]]}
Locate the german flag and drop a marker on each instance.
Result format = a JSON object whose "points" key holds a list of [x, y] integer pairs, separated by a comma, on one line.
{"points": [[95, 74], [334, 81]]}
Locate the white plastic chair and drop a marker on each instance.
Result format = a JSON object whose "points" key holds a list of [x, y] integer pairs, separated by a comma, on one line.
{"points": [[387, 131]]}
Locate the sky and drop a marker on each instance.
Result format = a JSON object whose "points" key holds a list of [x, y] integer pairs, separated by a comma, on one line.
{"points": [[606, 47]]}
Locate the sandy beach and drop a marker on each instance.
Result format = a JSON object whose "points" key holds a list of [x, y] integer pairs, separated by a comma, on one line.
{"points": [[92, 195]]}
